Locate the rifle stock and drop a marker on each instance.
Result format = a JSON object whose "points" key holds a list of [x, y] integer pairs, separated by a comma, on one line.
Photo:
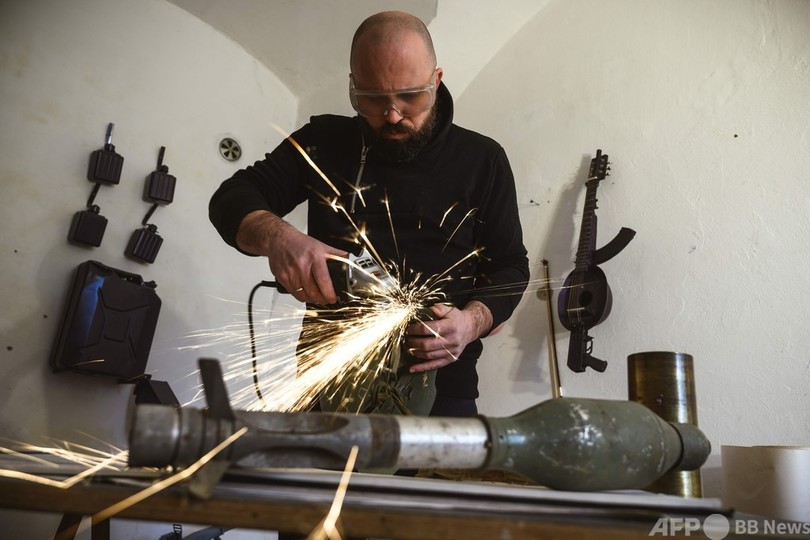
{"points": [[579, 352]]}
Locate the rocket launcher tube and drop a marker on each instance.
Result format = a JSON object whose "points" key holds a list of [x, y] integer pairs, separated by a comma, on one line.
{"points": [[565, 443], [163, 436]]}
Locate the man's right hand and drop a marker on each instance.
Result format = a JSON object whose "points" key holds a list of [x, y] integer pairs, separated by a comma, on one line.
{"points": [[297, 260]]}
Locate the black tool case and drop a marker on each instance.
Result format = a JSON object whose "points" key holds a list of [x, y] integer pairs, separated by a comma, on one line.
{"points": [[108, 323]]}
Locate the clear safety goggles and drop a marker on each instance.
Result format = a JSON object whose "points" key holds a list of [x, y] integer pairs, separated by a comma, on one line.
{"points": [[407, 102]]}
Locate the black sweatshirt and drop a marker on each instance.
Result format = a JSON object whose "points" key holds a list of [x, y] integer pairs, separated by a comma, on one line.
{"points": [[458, 195]]}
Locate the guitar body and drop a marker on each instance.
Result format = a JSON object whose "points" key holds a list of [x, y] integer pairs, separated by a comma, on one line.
{"points": [[585, 299]]}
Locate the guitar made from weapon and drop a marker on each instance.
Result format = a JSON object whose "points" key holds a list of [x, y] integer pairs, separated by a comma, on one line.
{"points": [[585, 299]]}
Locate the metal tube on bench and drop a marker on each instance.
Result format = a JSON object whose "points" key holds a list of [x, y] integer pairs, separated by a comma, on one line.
{"points": [[564, 443]]}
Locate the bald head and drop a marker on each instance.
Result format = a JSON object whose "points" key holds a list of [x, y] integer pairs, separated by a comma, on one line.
{"points": [[388, 30], [392, 53]]}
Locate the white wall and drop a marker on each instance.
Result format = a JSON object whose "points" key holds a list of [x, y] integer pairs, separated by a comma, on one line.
{"points": [[702, 107], [716, 269], [165, 79]]}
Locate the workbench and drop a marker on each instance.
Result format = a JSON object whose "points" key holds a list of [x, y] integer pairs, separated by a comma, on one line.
{"points": [[379, 506]]}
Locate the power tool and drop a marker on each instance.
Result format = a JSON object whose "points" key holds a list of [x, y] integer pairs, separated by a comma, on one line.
{"points": [[360, 276], [357, 276]]}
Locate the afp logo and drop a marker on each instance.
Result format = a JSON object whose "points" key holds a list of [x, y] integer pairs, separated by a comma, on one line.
{"points": [[715, 526]]}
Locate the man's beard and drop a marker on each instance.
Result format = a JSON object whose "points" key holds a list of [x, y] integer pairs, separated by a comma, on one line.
{"points": [[400, 150]]}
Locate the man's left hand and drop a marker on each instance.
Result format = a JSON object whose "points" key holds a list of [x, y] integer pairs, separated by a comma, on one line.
{"points": [[440, 342]]}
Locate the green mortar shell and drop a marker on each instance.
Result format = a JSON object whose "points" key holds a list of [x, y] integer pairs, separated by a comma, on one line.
{"points": [[590, 445]]}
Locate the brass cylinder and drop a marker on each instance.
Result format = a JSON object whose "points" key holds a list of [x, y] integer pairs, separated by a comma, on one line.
{"points": [[664, 382]]}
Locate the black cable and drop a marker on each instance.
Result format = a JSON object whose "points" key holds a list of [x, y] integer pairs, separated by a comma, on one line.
{"points": [[93, 195], [275, 285], [149, 214]]}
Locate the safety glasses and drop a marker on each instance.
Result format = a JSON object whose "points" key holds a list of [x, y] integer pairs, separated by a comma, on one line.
{"points": [[407, 102]]}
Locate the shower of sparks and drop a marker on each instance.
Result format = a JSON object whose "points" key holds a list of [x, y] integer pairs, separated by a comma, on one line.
{"points": [[339, 349], [336, 349], [345, 351], [342, 347], [83, 456]]}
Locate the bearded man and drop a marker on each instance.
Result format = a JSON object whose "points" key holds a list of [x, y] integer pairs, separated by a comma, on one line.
{"points": [[427, 192]]}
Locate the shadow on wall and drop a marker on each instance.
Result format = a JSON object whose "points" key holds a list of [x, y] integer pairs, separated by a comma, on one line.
{"points": [[532, 332]]}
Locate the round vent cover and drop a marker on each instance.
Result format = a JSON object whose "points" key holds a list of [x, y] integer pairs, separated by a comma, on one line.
{"points": [[230, 149]]}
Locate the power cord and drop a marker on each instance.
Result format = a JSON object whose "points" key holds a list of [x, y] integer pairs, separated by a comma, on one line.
{"points": [[275, 285]]}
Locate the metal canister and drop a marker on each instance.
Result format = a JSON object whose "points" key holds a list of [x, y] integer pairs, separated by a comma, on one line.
{"points": [[664, 382]]}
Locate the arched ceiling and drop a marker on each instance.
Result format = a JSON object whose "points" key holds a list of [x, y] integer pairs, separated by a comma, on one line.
{"points": [[288, 36]]}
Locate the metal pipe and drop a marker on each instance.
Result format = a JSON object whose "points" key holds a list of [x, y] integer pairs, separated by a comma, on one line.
{"points": [[565, 443], [665, 382], [553, 366], [433, 442]]}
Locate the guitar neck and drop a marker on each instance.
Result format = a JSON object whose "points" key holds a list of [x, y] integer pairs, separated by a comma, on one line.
{"points": [[587, 232]]}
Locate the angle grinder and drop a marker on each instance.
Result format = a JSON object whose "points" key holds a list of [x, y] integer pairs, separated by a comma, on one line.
{"points": [[360, 276]]}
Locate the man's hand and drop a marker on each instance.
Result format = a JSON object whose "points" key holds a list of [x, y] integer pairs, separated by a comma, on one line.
{"points": [[440, 342], [297, 260]]}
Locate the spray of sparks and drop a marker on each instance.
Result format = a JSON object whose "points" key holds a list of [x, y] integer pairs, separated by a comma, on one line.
{"points": [[93, 461], [338, 348]]}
